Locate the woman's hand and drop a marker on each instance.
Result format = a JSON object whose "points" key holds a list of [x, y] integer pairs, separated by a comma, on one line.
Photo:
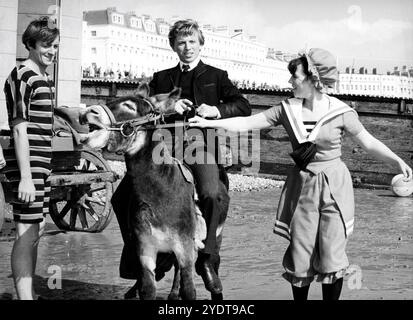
{"points": [[405, 169], [199, 122], [27, 191]]}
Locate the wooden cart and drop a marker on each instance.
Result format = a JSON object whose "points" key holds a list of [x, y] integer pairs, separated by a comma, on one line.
{"points": [[82, 186]]}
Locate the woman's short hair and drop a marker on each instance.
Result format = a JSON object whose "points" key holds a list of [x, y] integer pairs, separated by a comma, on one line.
{"points": [[293, 64], [319, 65], [185, 28], [39, 30]]}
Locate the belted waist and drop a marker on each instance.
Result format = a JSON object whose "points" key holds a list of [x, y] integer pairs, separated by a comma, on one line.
{"points": [[318, 166]]}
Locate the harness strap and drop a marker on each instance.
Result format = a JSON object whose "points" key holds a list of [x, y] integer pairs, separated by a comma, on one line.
{"points": [[109, 113], [144, 120], [168, 125]]}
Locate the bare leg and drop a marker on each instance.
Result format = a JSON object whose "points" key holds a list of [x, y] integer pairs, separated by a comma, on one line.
{"points": [[23, 258], [41, 232]]}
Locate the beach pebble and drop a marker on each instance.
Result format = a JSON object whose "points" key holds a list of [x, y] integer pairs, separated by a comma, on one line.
{"points": [[237, 182], [241, 183]]}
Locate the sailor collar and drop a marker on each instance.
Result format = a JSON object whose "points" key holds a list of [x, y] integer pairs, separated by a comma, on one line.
{"points": [[293, 108]]}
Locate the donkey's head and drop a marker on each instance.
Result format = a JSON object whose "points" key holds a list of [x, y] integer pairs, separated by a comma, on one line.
{"points": [[105, 122]]}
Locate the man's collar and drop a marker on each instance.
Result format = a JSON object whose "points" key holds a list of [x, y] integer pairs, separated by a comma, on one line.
{"points": [[191, 65]]}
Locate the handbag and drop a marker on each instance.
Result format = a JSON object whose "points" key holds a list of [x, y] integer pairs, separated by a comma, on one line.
{"points": [[304, 154]]}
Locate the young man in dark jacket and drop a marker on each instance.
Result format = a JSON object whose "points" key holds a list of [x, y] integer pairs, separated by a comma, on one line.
{"points": [[209, 90]]}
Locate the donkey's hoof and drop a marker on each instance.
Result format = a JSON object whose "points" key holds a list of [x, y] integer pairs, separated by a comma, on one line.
{"points": [[217, 296], [173, 296], [131, 293]]}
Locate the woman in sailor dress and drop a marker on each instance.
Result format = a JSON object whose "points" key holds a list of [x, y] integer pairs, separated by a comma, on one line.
{"points": [[316, 207]]}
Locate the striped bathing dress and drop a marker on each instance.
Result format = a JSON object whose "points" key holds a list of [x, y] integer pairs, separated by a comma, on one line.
{"points": [[316, 207], [29, 98]]}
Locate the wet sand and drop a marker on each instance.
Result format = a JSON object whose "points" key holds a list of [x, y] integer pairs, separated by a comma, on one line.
{"points": [[381, 249]]}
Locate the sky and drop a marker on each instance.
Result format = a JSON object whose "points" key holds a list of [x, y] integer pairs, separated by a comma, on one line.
{"points": [[369, 33]]}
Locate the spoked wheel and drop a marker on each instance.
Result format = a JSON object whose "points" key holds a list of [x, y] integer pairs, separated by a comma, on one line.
{"points": [[85, 206]]}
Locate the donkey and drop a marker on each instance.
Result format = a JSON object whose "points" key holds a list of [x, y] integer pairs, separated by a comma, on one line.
{"points": [[165, 224]]}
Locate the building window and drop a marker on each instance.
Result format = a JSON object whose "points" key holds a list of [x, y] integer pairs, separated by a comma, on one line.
{"points": [[116, 18], [93, 33], [94, 50]]}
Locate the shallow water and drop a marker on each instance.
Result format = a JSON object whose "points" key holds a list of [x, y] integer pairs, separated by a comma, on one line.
{"points": [[381, 249]]}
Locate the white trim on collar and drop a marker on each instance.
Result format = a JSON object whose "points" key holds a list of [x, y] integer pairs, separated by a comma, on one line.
{"points": [[293, 109]]}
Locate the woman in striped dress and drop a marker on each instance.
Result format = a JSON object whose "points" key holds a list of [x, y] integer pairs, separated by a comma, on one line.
{"points": [[29, 97], [316, 207]]}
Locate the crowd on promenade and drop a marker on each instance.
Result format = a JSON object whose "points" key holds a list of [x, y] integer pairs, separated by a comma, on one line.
{"points": [[93, 72]]}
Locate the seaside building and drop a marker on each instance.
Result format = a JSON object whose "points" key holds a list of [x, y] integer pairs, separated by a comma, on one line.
{"points": [[398, 83], [127, 45]]}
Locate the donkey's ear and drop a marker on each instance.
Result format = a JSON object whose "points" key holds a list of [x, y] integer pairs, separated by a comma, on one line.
{"points": [[175, 93], [143, 90]]}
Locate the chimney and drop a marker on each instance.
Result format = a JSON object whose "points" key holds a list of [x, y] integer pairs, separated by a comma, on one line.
{"points": [[361, 71], [352, 70], [404, 71], [348, 70], [374, 70]]}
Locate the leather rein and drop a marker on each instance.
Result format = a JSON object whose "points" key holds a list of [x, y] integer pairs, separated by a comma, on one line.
{"points": [[151, 121]]}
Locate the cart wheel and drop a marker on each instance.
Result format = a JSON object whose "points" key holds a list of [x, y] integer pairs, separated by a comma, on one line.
{"points": [[83, 207], [2, 206]]}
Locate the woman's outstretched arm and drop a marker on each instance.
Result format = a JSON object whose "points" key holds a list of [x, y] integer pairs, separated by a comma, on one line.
{"points": [[380, 151], [236, 124]]}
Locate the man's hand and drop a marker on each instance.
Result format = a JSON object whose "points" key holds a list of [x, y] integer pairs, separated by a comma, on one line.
{"points": [[183, 105], [27, 191], [207, 111]]}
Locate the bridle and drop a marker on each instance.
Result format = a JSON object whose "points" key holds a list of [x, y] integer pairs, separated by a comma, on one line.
{"points": [[151, 121]]}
